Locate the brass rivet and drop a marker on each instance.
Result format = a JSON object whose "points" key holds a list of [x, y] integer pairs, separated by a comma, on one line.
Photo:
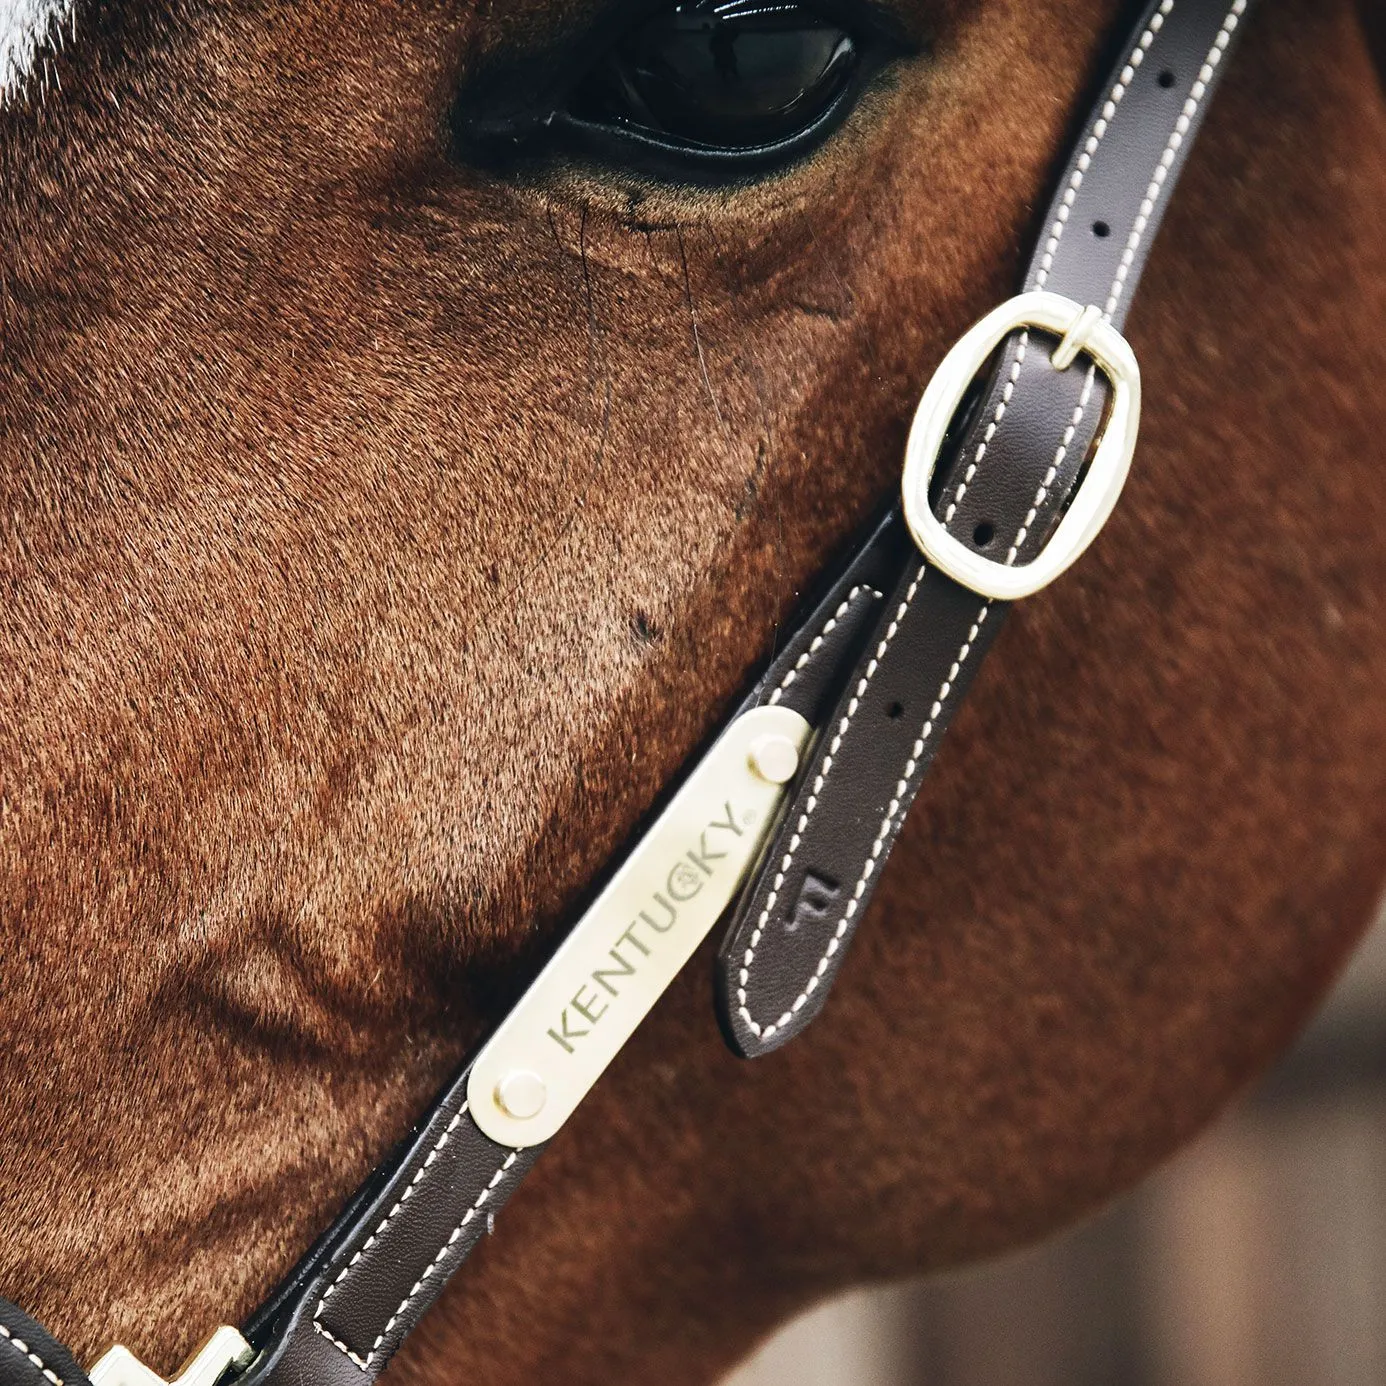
{"points": [[521, 1094], [774, 758]]}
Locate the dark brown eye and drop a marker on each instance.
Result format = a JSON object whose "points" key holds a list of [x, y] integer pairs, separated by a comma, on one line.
{"points": [[724, 75]]}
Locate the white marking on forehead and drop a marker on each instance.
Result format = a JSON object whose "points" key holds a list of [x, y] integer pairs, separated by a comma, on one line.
{"points": [[25, 26]]}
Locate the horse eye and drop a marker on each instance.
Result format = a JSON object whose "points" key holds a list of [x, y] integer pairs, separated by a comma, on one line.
{"points": [[723, 77]]}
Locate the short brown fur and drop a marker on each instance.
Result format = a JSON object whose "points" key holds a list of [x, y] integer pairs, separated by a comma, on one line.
{"points": [[379, 534]]}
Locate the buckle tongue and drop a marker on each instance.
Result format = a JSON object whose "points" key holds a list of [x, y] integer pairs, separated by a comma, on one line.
{"points": [[1077, 337], [1079, 328], [225, 1349]]}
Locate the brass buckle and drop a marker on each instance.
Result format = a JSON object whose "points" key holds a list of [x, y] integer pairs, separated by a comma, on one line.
{"points": [[1081, 329], [224, 1350]]}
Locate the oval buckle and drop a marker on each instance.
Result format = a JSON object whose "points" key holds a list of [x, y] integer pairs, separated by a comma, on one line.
{"points": [[1081, 329]]}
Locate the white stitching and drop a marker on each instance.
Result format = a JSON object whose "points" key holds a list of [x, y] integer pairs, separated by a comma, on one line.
{"points": [[1075, 181], [1176, 138], [1083, 162], [766, 1031], [818, 639], [745, 972], [1095, 137], [1070, 197], [471, 1212], [380, 1227], [447, 1245], [853, 703], [21, 1346], [364, 1363], [1128, 257], [1007, 391], [1043, 492], [893, 808]]}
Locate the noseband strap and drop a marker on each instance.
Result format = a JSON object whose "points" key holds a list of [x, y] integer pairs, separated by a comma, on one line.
{"points": [[865, 689]]}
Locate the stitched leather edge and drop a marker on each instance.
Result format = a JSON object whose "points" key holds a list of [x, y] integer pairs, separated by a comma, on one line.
{"points": [[22, 1347]]}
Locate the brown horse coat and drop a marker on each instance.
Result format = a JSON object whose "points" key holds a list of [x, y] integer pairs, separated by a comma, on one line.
{"points": [[378, 533]]}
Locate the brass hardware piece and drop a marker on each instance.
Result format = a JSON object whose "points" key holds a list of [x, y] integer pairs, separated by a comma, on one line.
{"points": [[224, 1350], [1080, 329], [637, 934]]}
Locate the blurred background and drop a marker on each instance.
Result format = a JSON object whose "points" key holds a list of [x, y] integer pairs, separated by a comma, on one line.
{"points": [[1257, 1257]]}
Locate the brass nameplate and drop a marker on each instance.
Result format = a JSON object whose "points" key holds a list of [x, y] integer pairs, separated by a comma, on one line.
{"points": [[631, 943]]}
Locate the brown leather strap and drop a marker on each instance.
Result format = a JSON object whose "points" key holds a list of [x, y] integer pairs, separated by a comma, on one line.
{"points": [[1003, 494]]}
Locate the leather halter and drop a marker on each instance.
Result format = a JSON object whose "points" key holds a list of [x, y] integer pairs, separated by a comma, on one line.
{"points": [[1016, 457]]}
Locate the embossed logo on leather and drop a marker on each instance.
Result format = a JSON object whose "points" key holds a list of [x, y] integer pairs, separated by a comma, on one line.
{"points": [[816, 896]]}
